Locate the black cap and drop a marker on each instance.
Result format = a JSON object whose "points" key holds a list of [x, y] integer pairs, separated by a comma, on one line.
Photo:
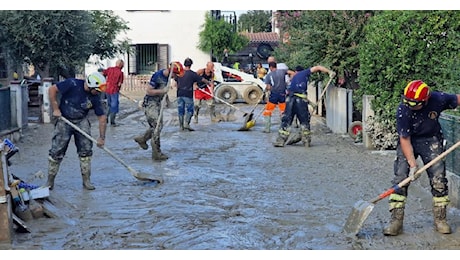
{"points": [[299, 68], [188, 62]]}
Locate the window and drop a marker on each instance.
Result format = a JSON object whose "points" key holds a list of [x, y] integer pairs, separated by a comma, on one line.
{"points": [[147, 58]]}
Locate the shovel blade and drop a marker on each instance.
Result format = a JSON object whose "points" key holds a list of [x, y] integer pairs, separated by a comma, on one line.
{"points": [[358, 215]]}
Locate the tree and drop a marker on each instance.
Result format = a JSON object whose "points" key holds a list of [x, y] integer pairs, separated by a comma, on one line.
{"points": [[218, 35], [401, 46], [255, 21], [330, 38], [55, 39]]}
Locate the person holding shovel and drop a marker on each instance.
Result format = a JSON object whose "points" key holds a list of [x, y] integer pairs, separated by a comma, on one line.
{"points": [[420, 134], [152, 104], [205, 93], [77, 98], [297, 105], [185, 87]]}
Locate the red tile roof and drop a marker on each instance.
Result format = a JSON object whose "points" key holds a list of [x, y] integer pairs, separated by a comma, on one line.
{"points": [[268, 37]]}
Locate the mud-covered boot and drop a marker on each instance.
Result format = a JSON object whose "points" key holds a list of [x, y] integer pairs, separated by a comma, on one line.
{"points": [[440, 214], [395, 226], [85, 167], [281, 139], [112, 120], [294, 138], [181, 123], [268, 123], [142, 139], [306, 137], [212, 113], [188, 118], [157, 155], [53, 169], [196, 111], [397, 203]]}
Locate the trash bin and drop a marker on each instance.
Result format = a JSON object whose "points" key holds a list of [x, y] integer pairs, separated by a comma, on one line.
{"points": [[5, 108]]}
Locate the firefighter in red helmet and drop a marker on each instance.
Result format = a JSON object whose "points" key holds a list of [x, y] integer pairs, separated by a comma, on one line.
{"points": [[420, 134]]}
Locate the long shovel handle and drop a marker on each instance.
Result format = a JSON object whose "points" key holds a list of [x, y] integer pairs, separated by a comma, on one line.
{"points": [[95, 141], [132, 99], [162, 105], [315, 105], [221, 100], [417, 173]]}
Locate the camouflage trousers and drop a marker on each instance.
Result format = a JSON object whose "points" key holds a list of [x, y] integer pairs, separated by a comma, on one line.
{"points": [[152, 113], [62, 135]]}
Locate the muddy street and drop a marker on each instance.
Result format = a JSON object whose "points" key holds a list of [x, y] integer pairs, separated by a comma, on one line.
{"points": [[223, 189]]}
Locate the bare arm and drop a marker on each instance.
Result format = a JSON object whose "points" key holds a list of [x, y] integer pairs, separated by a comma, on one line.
{"points": [[320, 68], [52, 92], [406, 147]]}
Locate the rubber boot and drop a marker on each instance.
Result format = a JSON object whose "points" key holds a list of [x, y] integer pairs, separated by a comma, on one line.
{"points": [[212, 113], [53, 169], [112, 120], [397, 203], [196, 111], [188, 118], [440, 214], [181, 123], [157, 155], [85, 167], [268, 123], [395, 226], [142, 139], [306, 137], [282, 138]]}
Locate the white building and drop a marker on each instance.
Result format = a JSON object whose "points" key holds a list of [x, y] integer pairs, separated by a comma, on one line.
{"points": [[159, 37]]}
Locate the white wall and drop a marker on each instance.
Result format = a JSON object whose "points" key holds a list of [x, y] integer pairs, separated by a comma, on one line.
{"points": [[179, 29]]}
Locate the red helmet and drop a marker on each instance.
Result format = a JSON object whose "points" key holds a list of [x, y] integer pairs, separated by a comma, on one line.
{"points": [[178, 68], [416, 92]]}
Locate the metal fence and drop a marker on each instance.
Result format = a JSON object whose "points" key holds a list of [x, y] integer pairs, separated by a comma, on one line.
{"points": [[136, 82], [451, 129]]}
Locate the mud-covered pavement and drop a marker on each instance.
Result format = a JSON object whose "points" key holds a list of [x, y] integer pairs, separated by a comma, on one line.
{"points": [[223, 189]]}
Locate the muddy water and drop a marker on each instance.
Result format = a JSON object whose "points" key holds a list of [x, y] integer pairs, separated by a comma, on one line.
{"points": [[223, 189]]}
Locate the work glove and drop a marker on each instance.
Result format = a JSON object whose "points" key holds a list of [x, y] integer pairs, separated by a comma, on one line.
{"points": [[331, 74], [412, 172]]}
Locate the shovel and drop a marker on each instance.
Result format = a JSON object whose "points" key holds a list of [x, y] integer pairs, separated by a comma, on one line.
{"points": [[162, 103], [139, 105], [136, 174], [248, 117], [315, 105], [362, 209], [252, 123]]}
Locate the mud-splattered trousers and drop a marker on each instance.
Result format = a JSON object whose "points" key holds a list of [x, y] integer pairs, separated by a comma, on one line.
{"points": [[296, 106], [152, 113], [62, 135], [427, 148]]}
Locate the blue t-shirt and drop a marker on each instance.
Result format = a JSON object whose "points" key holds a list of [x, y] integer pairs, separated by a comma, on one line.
{"points": [[424, 122], [75, 102], [299, 82], [158, 80]]}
